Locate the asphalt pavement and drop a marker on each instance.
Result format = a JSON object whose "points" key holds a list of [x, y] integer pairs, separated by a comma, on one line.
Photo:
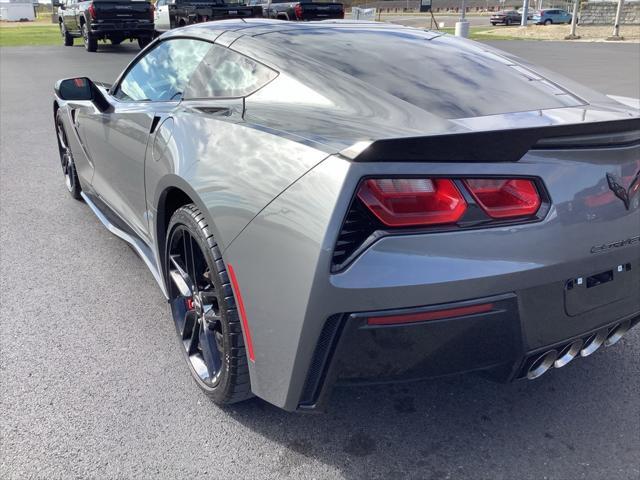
{"points": [[93, 384]]}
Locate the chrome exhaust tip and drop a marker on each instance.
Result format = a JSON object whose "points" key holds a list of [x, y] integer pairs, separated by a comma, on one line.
{"points": [[617, 333], [541, 364], [593, 342], [568, 353]]}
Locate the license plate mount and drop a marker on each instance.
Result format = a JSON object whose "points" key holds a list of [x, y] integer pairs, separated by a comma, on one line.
{"points": [[586, 292]]}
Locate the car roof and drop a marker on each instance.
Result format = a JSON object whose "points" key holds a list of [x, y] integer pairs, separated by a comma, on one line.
{"points": [[257, 26]]}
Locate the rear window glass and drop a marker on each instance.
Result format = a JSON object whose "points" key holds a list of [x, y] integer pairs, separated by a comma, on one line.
{"points": [[441, 75], [225, 73]]}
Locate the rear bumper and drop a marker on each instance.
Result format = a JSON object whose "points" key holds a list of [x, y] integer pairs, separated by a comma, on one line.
{"points": [[124, 29], [496, 343]]}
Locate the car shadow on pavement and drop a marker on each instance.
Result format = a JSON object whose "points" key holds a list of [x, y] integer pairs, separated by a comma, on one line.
{"points": [[124, 48], [465, 427]]}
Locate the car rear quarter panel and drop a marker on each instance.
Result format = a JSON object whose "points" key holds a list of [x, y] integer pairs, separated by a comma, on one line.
{"points": [[229, 170]]}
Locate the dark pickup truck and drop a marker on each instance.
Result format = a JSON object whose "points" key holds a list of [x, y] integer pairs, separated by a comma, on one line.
{"points": [[178, 13], [113, 20], [287, 10]]}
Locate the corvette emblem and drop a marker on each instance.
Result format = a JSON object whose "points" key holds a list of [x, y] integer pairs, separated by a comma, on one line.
{"points": [[624, 194]]}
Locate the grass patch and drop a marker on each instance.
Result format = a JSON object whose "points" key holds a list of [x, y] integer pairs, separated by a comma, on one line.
{"points": [[14, 36], [481, 33]]}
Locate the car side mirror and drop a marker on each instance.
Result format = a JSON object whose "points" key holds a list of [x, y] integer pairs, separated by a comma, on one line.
{"points": [[81, 89]]}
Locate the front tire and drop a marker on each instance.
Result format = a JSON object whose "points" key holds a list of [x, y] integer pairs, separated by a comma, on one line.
{"points": [[66, 160], [548, 21], [204, 309], [90, 42]]}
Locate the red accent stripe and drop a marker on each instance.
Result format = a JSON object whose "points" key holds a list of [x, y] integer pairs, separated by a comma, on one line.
{"points": [[432, 315], [243, 313]]}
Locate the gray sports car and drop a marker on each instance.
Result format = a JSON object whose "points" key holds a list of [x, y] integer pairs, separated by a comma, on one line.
{"points": [[331, 203]]}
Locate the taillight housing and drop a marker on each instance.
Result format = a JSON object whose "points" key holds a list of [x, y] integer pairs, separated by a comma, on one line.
{"points": [[421, 202], [402, 202], [505, 198], [152, 12], [92, 11], [298, 11]]}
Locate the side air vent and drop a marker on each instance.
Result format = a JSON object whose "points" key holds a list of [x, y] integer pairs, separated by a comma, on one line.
{"points": [[320, 361], [357, 227]]}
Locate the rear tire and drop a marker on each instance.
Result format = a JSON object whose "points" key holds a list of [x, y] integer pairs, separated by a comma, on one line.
{"points": [[204, 309], [493, 23], [90, 42], [144, 41], [67, 39]]}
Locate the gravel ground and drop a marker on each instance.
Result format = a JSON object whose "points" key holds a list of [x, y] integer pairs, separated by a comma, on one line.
{"points": [[93, 384]]}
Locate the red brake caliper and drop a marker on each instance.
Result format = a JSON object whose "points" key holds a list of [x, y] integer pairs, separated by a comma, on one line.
{"points": [[189, 303]]}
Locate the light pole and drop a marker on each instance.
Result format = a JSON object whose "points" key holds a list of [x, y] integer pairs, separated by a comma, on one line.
{"points": [[574, 21], [462, 26], [616, 24], [525, 13]]}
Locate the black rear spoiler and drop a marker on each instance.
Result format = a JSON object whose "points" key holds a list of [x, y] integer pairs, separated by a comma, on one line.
{"points": [[502, 145]]}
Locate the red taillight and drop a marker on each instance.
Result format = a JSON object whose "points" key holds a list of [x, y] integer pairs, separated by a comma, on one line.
{"points": [[298, 11], [92, 11], [403, 202], [505, 198], [152, 12], [430, 315]]}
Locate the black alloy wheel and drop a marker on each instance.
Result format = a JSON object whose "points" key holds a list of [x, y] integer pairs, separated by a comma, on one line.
{"points": [[66, 160], [204, 310]]}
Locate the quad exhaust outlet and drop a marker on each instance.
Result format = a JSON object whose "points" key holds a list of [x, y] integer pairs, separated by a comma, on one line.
{"points": [[581, 347]]}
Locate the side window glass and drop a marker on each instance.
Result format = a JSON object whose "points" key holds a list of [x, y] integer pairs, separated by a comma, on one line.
{"points": [[164, 72], [225, 73]]}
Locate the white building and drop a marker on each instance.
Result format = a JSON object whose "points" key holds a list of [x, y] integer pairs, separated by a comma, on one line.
{"points": [[16, 10]]}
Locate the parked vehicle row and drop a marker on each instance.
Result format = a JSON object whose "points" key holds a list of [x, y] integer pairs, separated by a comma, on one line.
{"points": [[539, 17], [118, 20]]}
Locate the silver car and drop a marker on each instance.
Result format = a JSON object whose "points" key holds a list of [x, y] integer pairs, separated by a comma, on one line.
{"points": [[338, 203]]}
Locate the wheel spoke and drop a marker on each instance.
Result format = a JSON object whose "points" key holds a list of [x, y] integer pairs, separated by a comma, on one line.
{"points": [[194, 338], [210, 353], [181, 278], [188, 324], [190, 263], [209, 298]]}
